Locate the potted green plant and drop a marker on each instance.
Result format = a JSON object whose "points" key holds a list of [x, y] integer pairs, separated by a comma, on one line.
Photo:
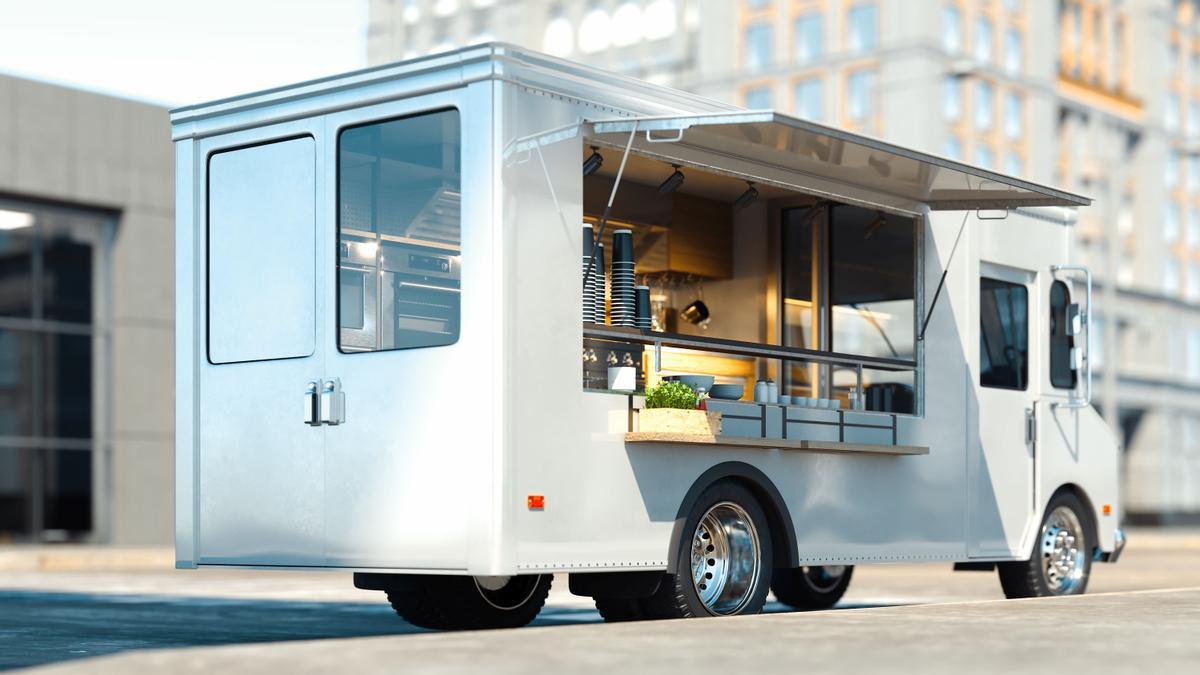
{"points": [[671, 408]]}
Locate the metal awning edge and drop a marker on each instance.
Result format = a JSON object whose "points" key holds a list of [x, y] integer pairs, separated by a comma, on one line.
{"points": [[684, 122]]}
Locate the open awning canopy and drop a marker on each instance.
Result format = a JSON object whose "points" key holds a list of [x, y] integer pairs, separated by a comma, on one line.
{"points": [[768, 147]]}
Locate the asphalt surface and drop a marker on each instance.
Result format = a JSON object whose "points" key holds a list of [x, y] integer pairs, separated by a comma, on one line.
{"points": [[914, 617]]}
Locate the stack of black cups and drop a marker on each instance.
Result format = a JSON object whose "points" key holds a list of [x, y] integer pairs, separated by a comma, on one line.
{"points": [[598, 273], [624, 295], [642, 304], [589, 281]]}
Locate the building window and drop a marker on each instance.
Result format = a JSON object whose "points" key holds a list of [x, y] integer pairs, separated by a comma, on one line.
{"points": [[1193, 282], [983, 40], [984, 156], [1170, 283], [1171, 113], [412, 11], [810, 102], [1003, 334], [952, 98], [595, 31], [1013, 164], [860, 89], [757, 4], [952, 28], [1193, 118], [953, 148], [659, 20], [51, 352], [983, 106], [559, 37], [1193, 173], [1012, 115], [1193, 350], [863, 22], [1012, 51], [808, 38], [758, 98], [1013, 6], [757, 47], [1125, 269], [1171, 223], [1193, 227], [1172, 61], [1171, 170]]}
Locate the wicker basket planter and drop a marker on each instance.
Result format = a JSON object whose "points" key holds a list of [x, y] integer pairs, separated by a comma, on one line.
{"points": [[675, 421]]}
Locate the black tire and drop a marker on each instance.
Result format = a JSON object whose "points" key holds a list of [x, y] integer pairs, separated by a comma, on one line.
{"points": [[677, 596], [811, 587], [616, 610], [1035, 577], [460, 603]]}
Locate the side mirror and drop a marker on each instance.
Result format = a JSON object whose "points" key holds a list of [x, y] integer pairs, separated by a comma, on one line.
{"points": [[1074, 320]]}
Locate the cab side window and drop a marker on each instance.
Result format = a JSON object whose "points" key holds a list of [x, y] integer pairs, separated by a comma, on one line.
{"points": [[1003, 334], [1062, 376]]}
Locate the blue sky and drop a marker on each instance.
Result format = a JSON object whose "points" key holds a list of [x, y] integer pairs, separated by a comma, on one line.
{"points": [[175, 52]]}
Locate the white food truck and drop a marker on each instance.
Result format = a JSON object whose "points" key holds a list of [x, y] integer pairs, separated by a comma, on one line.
{"points": [[379, 344]]}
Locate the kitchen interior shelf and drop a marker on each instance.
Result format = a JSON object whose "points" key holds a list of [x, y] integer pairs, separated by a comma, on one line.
{"points": [[774, 443]]}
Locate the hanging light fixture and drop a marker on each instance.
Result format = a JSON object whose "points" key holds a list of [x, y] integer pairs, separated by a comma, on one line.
{"points": [[746, 197], [672, 182], [592, 164]]}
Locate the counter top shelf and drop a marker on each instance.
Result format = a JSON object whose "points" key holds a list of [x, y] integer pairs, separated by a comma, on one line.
{"points": [[774, 443]]}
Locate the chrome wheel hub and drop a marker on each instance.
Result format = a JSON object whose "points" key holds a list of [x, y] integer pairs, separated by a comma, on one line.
{"points": [[1063, 561], [725, 558], [824, 579]]}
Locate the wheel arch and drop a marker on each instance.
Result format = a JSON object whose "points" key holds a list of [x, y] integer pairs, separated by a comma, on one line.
{"points": [[779, 519], [1077, 490]]}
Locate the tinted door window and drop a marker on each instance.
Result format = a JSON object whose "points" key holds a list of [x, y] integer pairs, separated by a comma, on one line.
{"points": [[1003, 334], [1062, 342]]}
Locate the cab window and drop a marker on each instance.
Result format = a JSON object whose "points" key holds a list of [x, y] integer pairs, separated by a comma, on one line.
{"points": [[1003, 334]]}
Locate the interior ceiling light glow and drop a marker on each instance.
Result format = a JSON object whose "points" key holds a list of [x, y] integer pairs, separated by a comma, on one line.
{"points": [[672, 182], [746, 197], [593, 163], [15, 220]]}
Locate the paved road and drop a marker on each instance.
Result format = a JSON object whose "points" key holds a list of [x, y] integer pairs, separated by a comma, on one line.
{"points": [[894, 616]]}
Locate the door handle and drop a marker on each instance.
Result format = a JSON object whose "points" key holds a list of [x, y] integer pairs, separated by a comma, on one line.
{"points": [[312, 409], [333, 403]]}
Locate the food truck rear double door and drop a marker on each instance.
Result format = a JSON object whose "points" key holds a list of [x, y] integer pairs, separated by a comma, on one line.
{"points": [[333, 320]]}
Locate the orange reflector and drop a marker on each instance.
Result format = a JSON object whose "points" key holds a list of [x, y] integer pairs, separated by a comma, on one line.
{"points": [[1106, 509], [536, 501]]}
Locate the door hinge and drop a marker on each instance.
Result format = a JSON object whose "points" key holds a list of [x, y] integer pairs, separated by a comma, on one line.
{"points": [[1030, 426]]}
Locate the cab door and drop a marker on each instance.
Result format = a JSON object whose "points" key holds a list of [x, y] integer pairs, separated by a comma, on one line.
{"points": [[1002, 458], [261, 454]]}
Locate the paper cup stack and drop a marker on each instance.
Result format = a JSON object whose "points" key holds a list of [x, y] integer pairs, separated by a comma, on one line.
{"points": [[589, 280], [624, 294]]}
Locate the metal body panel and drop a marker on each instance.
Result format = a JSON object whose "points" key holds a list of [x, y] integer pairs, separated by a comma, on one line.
{"points": [[441, 446]]}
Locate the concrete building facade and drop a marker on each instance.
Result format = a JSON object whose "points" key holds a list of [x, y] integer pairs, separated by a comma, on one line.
{"points": [[86, 316], [1100, 97]]}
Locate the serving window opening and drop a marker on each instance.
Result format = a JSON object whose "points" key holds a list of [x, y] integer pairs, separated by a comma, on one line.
{"points": [[739, 281]]}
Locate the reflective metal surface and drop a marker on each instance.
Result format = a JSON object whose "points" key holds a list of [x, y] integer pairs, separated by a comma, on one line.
{"points": [[725, 558], [825, 578], [783, 150], [1062, 551]]}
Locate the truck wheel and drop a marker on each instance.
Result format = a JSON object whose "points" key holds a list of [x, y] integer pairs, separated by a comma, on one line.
{"points": [[1062, 556], [811, 587], [724, 559], [614, 610], [468, 603]]}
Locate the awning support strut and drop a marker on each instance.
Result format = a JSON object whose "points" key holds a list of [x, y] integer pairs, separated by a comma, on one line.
{"points": [[608, 208]]}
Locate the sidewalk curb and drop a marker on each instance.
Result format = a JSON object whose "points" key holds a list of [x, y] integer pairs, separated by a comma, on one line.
{"points": [[84, 558]]}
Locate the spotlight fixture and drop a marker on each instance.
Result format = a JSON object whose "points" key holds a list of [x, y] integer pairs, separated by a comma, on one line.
{"points": [[592, 164], [875, 226], [748, 196], [672, 182]]}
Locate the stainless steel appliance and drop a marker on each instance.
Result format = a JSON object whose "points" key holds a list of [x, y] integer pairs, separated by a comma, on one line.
{"points": [[391, 293]]}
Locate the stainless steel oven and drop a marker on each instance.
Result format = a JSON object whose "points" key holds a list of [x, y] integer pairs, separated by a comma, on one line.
{"points": [[396, 294]]}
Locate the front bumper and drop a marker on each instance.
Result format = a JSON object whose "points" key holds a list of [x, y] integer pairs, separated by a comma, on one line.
{"points": [[1118, 546]]}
